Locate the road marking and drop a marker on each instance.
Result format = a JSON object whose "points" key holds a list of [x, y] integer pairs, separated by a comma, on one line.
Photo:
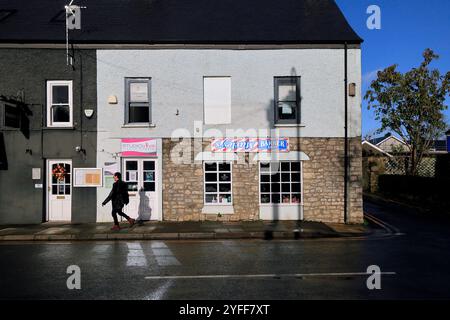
{"points": [[273, 275], [135, 255], [390, 228]]}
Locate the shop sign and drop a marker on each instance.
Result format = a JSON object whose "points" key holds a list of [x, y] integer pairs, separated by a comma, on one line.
{"points": [[138, 147], [250, 145]]}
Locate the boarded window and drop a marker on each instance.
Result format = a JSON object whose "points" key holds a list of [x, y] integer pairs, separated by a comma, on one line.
{"points": [[217, 100]]}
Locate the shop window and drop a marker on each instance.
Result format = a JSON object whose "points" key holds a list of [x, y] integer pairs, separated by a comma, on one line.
{"points": [[137, 100], [280, 182], [287, 100], [59, 104], [217, 183], [217, 100]]}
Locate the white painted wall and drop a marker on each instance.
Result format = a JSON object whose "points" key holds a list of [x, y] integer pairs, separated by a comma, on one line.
{"points": [[177, 94], [177, 84]]}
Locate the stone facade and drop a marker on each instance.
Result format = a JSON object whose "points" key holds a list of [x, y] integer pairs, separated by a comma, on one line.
{"points": [[323, 179], [323, 182]]}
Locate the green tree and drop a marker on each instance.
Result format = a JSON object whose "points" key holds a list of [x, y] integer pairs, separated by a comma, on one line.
{"points": [[411, 104]]}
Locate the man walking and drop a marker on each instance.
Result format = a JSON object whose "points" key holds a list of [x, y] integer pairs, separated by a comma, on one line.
{"points": [[119, 197]]}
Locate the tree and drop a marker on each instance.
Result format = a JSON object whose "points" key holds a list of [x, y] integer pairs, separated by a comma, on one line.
{"points": [[411, 105]]}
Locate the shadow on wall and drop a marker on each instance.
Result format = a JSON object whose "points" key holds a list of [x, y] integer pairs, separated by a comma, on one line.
{"points": [[272, 109], [144, 209], [17, 114], [3, 159]]}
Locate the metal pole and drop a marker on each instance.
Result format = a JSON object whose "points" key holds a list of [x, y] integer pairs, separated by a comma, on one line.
{"points": [[345, 137]]}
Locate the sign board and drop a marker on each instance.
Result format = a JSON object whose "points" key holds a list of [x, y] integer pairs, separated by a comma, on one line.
{"points": [[36, 173], [109, 168], [87, 177], [38, 186], [250, 145], [143, 147]]}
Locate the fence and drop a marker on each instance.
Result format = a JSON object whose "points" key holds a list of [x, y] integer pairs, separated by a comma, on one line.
{"points": [[432, 166]]}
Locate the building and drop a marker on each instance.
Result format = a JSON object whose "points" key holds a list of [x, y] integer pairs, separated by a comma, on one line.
{"points": [[209, 110], [389, 144]]}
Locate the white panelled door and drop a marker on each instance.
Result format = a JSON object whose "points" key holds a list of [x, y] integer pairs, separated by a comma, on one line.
{"points": [[59, 190], [140, 176]]}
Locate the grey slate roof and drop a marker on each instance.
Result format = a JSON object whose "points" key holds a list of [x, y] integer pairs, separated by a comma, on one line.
{"points": [[179, 22]]}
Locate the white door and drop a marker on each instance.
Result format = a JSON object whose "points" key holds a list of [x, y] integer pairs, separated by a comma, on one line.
{"points": [[140, 176], [59, 190]]}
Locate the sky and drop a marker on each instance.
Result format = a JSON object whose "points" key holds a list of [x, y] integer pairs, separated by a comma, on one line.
{"points": [[408, 27]]}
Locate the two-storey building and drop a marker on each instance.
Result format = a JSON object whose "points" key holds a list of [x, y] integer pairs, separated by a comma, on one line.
{"points": [[227, 110]]}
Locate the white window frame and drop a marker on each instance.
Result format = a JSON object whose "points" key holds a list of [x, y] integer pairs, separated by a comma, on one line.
{"points": [[290, 192], [217, 182], [50, 85]]}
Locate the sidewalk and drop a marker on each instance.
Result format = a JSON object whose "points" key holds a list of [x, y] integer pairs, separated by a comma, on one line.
{"points": [[182, 231]]}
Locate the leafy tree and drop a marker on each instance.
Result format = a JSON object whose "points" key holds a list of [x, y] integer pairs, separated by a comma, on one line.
{"points": [[411, 105]]}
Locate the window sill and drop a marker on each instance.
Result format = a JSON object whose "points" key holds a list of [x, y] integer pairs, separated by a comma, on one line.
{"points": [[289, 125], [58, 128], [281, 204], [139, 125], [216, 209]]}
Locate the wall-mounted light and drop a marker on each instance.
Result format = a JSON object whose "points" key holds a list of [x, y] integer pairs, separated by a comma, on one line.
{"points": [[80, 150], [112, 100], [88, 113], [29, 151], [352, 89]]}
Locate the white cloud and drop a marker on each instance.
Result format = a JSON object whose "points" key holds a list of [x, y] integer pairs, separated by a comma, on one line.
{"points": [[368, 77]]}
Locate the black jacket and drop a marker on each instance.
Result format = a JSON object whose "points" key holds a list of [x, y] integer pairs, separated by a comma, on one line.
{"points": [[118, 194]]}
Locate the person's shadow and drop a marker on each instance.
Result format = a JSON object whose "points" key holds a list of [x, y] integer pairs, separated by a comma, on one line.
{"points": [[144, 209]]}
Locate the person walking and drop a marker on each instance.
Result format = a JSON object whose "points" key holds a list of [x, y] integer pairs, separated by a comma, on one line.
{"points": [[119, 197]]}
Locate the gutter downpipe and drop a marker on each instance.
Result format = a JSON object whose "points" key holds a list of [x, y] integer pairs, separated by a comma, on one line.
{"points": [[345, 136]]}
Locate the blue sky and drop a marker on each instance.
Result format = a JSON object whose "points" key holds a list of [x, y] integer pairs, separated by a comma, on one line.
{"points": [[407, 28]]}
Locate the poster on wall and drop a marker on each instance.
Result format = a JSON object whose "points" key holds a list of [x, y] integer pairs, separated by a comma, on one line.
{"points": [[109, 168], [88, 177]]}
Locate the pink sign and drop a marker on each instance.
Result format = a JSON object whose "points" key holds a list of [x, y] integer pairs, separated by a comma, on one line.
{"points": [[142, 147]]}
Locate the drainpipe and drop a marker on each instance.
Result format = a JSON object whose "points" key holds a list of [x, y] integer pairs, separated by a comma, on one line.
{"points": [[345, 136]]}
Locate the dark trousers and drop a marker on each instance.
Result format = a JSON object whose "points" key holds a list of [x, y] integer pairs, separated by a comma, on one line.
{"points": [[118, 211]]}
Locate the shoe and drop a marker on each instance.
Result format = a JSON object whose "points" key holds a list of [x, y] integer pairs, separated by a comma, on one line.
{"points": [[115, 228], [131, 221]]}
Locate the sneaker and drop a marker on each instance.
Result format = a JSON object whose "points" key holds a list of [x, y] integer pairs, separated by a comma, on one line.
{"points": [[131, 221], [115, 228]]}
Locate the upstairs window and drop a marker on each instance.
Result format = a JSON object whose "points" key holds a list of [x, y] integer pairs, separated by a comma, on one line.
{"points": [[137, 100], [59, 104], [287, 100], [217, 100]]}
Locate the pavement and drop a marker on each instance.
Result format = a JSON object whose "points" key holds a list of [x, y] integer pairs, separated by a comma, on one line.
{"points": [[162, 230]]}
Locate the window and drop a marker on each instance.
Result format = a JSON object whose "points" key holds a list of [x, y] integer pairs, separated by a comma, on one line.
{"points": [[217, 178], [217, 100], [137, 100], [280, 182], [12, 115], [59, 104], [287, 100]]}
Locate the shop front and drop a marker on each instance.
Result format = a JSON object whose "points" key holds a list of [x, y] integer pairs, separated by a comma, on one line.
{"points": [[139, 161]]}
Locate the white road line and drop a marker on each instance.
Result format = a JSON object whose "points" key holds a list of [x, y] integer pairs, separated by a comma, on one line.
{"points": [[274, 275]]}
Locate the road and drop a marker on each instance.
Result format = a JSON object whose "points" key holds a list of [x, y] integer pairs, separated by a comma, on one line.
{"points": [[240, 269]]}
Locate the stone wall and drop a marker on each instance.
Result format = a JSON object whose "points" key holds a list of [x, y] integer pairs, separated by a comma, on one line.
{"points": [[323, 179], [323, 182]]}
